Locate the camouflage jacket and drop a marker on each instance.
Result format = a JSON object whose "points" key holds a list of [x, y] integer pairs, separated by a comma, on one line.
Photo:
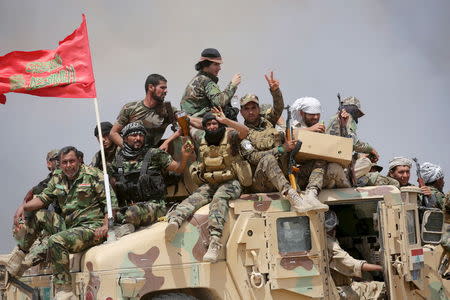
{"points": [[350, 132], [266, 122], [82, 202], [37, 189], [159, 161], [109, 156], [437, 197], [202, 93], [155, 120]]}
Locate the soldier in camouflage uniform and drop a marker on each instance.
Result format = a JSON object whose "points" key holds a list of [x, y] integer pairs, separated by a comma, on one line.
{"points": [[306, 115], [202, 92], [152, 112], [367, 176], [343, 266], [219, 152], [80, 193], [141, 192], [108, 145], [433, 177], [351, 112], [265, 150]]}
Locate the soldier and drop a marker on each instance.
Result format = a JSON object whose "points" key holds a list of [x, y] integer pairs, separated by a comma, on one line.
{"points": [[219, 153], [139, 181], [343, 266], [203, 93], [264, 148], [80, 193], [400, 170], [306, 116], [351, 112], [108, 145], [152, 112], [433, 177], [367, 173]]}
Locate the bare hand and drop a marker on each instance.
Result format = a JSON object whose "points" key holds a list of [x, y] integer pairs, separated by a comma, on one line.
{"points": [[273, 83], [289, 145], [374, 156], [344, 117], [101, 232], [236, 80], [218, 113], [187, 149], [19, 215], [164, 146], [318, 127], [426, 190]]}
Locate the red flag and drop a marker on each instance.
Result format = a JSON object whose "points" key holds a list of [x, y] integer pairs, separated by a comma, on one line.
{"points": [[65, 72]]}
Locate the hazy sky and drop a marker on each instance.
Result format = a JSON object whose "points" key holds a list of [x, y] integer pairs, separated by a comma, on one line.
{"points": [[393, 55]]}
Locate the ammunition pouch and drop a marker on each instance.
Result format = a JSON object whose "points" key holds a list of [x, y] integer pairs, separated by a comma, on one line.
{"points": [[243, 171], [195, 170], [151, 185], [217, 177]]}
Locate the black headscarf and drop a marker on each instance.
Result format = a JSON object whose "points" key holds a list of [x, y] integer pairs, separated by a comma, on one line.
{"points": [[213, 137]]}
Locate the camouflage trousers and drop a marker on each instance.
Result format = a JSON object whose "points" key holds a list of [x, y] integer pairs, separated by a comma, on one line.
{"points": [[218, 195], [269, 177], [362, 290], [311, 174], [446, 237], [335, 177], [375, 178], [141, 213], [59, 240]]}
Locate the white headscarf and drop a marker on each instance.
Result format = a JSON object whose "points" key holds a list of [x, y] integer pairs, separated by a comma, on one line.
{"points": [[400, 161], [430, 172], [308, 105]]}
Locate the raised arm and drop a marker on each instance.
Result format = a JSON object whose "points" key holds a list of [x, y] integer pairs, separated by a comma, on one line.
{"points": [[240, 128], [278, 102], [115, 134]]}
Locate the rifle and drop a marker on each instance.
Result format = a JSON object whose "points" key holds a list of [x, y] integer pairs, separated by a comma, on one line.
{"points": [[427, 201], [291, 162], [343, 133], [341, 127]]}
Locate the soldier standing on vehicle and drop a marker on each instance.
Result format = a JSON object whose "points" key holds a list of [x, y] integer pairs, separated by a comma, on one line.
{"points": [[264, 148], [153, 112], [80, 192], [218, 155], [108, 145], [306, 116], [139, 183], [203, 93], [343, 266], [433, 176]]}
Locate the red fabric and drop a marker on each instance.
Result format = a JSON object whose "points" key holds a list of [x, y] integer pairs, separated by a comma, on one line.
{"points": [[416, 252], [65, 72]]}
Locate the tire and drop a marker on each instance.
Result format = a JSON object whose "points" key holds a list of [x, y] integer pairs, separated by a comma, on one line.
{"points": [[174, 296]]}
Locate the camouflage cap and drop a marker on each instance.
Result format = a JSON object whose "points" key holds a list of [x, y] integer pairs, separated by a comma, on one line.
{"points": [[249, 98], [211, 54], [353, 101], [53, 154]]}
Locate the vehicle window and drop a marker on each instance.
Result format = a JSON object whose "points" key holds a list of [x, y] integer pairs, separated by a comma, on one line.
{"points": [[411, 226], [294, 234]]}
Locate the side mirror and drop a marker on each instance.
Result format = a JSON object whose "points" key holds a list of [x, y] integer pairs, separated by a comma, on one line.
{"points": [[432, 226]]}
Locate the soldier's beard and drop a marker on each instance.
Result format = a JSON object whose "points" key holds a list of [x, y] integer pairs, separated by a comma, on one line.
{"points": [[214, 137]]}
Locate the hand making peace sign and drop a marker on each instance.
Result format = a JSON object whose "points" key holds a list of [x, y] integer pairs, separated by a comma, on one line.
{"points": [[273, 83]]}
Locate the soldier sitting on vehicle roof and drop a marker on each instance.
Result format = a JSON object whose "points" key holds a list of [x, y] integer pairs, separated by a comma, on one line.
{"points": [[139, 183], [264, 149], [343, 267], [367, 173]]}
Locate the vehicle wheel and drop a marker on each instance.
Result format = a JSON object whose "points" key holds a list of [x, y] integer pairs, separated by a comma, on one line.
{"points": [[174, 296]]}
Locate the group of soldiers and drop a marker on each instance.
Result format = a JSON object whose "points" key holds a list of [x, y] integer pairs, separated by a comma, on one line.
{"points": [[67, 212]]}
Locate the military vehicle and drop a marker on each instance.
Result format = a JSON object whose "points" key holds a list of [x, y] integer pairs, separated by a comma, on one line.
{"points": [[269, 253]]}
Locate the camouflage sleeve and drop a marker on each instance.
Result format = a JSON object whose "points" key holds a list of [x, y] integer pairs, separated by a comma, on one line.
{"points": [[341, 261], [447, 202], [278, 106], [99, 187], [349, 132], [47, 196], [217, 97], [124, 115], [161, 159], [439, 199]]}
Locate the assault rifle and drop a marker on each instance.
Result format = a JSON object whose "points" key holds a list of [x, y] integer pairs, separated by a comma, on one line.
{"points": [[343, 133], [291, 162], [427, 201], [341, 126]]}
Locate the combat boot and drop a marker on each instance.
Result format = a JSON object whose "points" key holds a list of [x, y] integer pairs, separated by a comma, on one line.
{"points": [[213, 250], [64, 292], [297, 202], [311, 196], [171, 230], [13, 262], [124, 229]]}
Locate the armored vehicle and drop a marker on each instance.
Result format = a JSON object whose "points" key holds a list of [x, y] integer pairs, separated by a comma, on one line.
{"points": [[269, 253]]}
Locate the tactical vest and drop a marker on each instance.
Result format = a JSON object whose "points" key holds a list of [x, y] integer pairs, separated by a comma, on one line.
{"points": [[218, 165], [140, 185], [265, 139]]}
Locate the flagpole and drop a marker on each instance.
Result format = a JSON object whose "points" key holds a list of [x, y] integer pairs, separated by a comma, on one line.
{"points": [[105, 174]]}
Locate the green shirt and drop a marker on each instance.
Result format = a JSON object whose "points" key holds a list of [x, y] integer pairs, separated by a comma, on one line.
{"points": [[83, 202]]}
